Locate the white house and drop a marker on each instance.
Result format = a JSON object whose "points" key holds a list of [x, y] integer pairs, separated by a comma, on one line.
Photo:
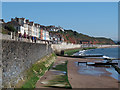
{"points": [[17, 26], [23, 26], [20, 24], [37, 30]]}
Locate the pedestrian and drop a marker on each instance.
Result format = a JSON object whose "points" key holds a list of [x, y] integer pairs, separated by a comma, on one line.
{"points": [[19, 36], [35, 39], [25, 35], [32, 38]]}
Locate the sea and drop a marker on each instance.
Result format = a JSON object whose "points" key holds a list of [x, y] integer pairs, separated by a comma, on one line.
{"points": [[107, 52]]}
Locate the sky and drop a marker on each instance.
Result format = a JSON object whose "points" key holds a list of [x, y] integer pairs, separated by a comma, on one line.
{"points": [[60, 0], [98, 19]]}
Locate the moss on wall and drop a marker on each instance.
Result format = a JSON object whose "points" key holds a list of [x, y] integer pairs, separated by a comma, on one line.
{"points": [[36, 71]]}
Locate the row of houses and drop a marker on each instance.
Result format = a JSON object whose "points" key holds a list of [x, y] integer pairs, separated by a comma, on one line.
{"points": [[31, 29]]}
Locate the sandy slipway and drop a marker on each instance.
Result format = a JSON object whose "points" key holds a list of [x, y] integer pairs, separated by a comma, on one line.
{"points": [[78, 80]]}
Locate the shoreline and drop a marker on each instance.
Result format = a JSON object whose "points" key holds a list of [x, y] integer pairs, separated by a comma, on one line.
{"points": [[87, 81], [77, 80], [109, 46]]}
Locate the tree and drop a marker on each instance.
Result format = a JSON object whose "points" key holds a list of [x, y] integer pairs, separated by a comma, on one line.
{"points": [[11, 28], [118, 42], [75, 33]]}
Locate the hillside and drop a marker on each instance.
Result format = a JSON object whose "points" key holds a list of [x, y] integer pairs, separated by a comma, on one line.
{"points": [[71, 36]]}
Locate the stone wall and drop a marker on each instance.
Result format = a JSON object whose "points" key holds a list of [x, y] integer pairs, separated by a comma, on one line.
{"points": [[17, 57], [5, 36], [64, 46], [59, 47]]}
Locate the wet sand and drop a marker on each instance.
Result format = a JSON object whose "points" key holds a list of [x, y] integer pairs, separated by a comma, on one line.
{"points": [[88, 81], [78, 80]]}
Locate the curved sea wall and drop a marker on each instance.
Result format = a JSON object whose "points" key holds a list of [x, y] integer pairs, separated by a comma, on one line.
{"points": [[17, 57], [65, 46]]}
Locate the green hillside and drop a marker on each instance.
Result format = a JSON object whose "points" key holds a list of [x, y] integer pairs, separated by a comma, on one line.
{"points": [[71, 36]]}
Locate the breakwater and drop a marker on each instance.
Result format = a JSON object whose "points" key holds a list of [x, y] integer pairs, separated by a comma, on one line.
{"points": [[17, 57]]}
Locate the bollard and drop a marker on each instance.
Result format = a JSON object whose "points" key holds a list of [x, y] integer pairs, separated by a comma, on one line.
{"points": [[62, 52]]}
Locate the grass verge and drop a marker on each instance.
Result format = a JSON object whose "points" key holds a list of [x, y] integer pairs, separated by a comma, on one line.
{"points": [[60, 81], [71, 52], [37, 70], [89, 48]]}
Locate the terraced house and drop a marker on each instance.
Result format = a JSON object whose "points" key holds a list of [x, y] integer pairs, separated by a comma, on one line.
{"points": [[44, 33], [27, 28], [31, 31]]}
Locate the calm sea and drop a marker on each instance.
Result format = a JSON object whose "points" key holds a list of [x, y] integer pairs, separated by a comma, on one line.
{"points": [[110, 52]]}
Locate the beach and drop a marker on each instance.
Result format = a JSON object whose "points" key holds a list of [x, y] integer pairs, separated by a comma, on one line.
{"points": [[81, 81]]}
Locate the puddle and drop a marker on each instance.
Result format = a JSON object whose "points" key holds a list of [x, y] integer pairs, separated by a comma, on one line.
{"points": [[115, 74], [58, 72], [97, 70]]}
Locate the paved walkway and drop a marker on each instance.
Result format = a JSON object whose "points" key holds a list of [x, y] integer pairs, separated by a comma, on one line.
{"points": [[81, 81]]}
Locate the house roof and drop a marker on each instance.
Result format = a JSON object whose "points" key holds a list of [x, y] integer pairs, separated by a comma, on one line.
{"points": [[85, 41], [14, 23], [2, 20], [31, 23]]}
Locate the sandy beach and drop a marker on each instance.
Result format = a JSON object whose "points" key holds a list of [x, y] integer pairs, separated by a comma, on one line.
{"points": [[87, 81], [78, 80]]}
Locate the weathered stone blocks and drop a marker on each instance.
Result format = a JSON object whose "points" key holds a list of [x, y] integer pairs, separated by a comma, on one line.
{"points": [[18, 57]]}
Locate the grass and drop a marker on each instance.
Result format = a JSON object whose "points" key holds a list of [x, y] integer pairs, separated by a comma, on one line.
{"points": [[61, 67], [60, 79], [67, 37], [71, 52], [89, 48], [37, 70], [4, 31]]}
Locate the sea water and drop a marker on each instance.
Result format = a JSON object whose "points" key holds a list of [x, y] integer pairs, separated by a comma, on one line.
{"points": [[108, 52]]}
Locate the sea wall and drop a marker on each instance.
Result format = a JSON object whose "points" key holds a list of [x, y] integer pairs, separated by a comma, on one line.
{"points": [[17, 57], [59, 47], [64, 46]]}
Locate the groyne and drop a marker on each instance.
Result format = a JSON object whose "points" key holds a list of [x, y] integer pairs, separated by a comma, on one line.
{"points": [[17, 57]]}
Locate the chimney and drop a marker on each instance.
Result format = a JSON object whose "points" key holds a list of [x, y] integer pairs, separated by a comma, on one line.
{"points": [[27, 21], [17, 19], [12, 19]]}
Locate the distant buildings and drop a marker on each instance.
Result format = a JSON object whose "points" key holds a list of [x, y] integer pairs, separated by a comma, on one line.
{"points": [[56, 38], [30, 29], [1, 21], [44, 34]]}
